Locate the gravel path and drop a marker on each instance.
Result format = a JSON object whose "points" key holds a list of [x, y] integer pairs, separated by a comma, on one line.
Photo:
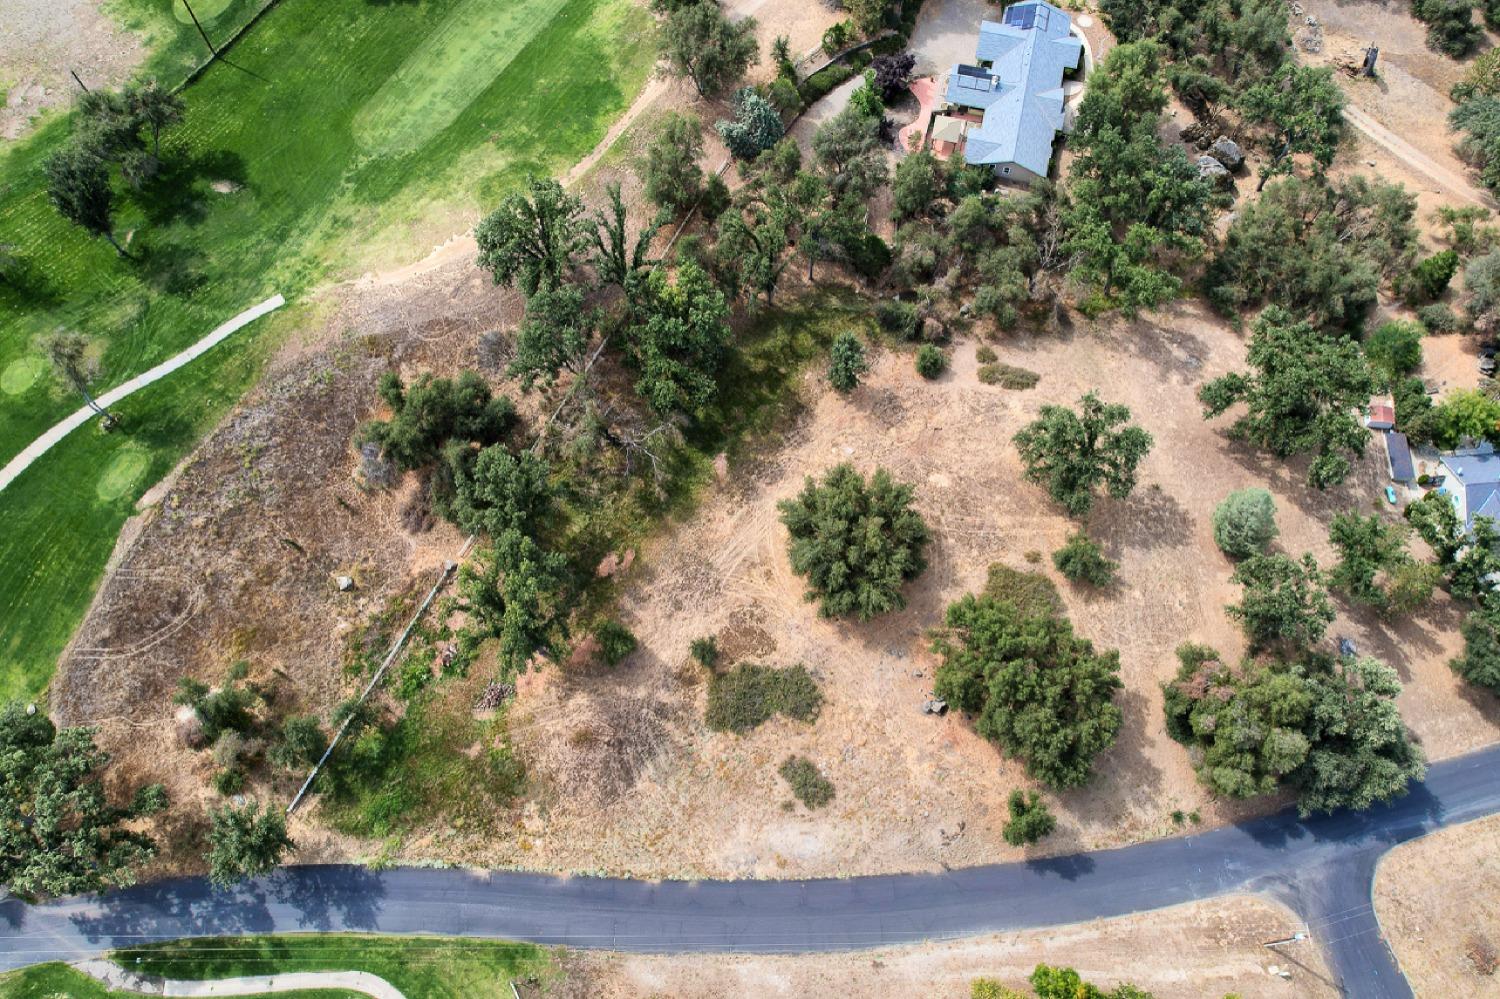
{"points": [[40, 446], [116, 977]]}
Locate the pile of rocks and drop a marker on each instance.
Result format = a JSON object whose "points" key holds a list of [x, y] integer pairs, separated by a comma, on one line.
{"points": [[1223, 159]]}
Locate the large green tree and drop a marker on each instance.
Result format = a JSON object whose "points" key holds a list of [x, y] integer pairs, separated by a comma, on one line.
{"points": [[701, 43], [553, 337], [78, 184], [1368, 547], [1480, 662], [1301, 111], [1303, 396], [1040, 692], [1327, 729], [497, 491], [855, 541], [1073, 454], [59, 834], [534, 237], [672, 176], [678, 339], [1284, 603], [245, 843]]}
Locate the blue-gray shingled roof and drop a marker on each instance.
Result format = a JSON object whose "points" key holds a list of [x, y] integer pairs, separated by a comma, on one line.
{"points": [[1477, 470], [1020, 93]]}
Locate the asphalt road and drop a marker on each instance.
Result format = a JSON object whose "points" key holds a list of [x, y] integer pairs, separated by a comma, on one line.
{"points": [[1323, 868]]}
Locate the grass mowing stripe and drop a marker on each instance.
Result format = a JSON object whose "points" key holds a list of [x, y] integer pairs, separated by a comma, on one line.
{"points": [[444, 74], [309, 204]]}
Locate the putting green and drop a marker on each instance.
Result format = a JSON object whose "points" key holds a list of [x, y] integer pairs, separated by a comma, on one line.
{"points": [[121, 472], [20, 374], [452, 67], [206, 10]]}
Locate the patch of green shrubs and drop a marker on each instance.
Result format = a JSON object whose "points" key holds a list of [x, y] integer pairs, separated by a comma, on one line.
{"points": [[808, 785], [750, 694], [931, 361]]}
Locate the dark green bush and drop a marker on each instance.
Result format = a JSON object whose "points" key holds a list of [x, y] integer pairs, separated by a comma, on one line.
{"points": [[1430, 277], [1030, 819], [615, 642], [706, 651], [931, 361], [1082, 561], [903, 319], [810, 787], [750, 694]]}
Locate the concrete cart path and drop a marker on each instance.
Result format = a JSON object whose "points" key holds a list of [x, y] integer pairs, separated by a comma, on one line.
{"points": [[120, 979], [40, 446]]}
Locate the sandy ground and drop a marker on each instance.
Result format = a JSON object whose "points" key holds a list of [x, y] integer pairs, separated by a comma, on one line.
{"points": [[1438, 900], [618, 759], [916, 791], [1203, 949], [41, 40]]}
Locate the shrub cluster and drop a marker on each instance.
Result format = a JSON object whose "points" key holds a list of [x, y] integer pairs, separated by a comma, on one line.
{"points": [[750, 694], [808, 785]]}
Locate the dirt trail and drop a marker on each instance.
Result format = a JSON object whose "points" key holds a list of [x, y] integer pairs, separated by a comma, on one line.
{"points": [[1416, 159]]}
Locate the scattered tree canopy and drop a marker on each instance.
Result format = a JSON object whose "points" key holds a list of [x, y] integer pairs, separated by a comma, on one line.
{"points": [[1303, 396], [1134, 202], [59, 835], [1030, 819], [1317, 250], [855, 541], [1327, 729], [1480, 662], [1073, 454], [1301, 112], [755, 128]]}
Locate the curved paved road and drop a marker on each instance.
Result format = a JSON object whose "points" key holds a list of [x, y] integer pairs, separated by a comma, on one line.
{"points": [[1323, 868]]}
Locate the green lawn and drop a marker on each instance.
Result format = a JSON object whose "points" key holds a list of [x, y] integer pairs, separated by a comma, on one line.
{"points": [[355, 135], [420, 967], [58, 981]]}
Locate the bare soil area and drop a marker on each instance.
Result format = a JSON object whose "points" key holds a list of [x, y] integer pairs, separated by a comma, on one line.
{"points": [[41, 40], [1438, 899], [1203, 949], [238, 558]]}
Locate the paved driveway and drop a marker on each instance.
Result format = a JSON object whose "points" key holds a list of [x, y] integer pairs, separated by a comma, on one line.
{"points": [[947, 31]]}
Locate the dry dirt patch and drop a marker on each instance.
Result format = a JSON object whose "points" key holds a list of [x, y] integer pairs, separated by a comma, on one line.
{"points": [[1438, 899], [1203, 949], [41, 40]]}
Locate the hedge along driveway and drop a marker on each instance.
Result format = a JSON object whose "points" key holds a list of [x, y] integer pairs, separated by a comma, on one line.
{"points": [[265, 187]]}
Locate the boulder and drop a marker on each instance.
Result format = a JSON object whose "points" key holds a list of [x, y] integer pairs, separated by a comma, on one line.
{"points": [[1213, 170], [933, 706], [344, 583], [1227, 152]]}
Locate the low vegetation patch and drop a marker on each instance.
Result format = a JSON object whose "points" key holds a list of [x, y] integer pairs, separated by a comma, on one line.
{"points": [[808, 785], [1007, 376], [1081, 560], [416, 966], [750, 694], [1030, 819]]}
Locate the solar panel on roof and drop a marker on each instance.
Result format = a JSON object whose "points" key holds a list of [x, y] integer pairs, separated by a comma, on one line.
{"points": [[1021, 15]]}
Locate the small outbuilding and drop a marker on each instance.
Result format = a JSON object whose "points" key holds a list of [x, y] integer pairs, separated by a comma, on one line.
{"points": [[1382, 416], [1398, 458]]}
